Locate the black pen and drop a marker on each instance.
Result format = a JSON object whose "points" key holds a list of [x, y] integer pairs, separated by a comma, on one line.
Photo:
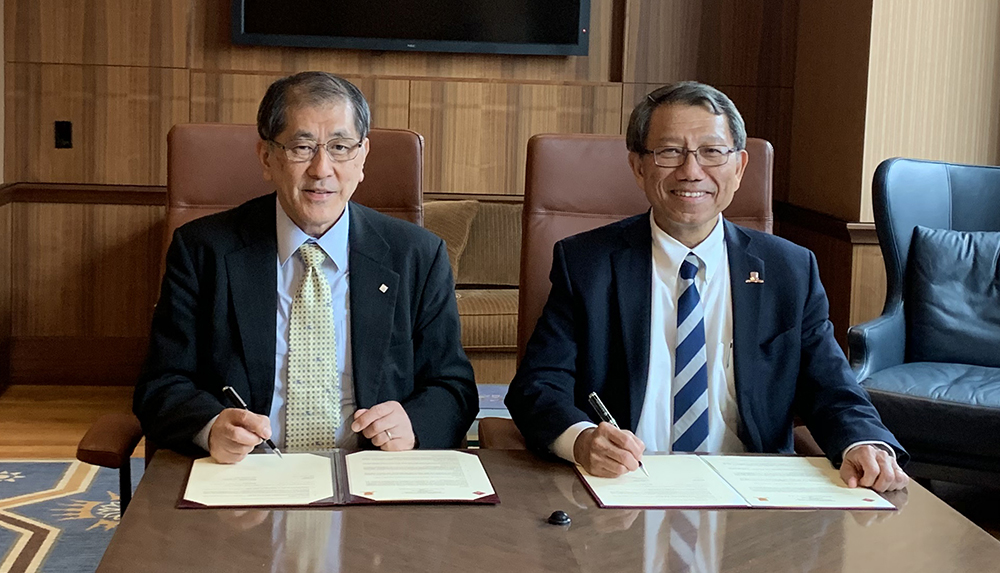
{"points": [[595, 402], [230, 393]]}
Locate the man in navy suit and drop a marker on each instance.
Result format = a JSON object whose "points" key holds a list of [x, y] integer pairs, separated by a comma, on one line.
{"points": [[699, 335], [247, 292]]}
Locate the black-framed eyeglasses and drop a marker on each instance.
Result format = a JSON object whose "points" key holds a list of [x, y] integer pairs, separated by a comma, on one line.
{"points": [[706, 155], [303, 150]]}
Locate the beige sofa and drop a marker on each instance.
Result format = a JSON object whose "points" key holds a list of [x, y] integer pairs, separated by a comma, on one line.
{"points": [[484, 248]]}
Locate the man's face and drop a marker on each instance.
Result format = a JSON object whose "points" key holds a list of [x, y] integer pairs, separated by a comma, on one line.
{"points": [[686, 200], [314, 193]]}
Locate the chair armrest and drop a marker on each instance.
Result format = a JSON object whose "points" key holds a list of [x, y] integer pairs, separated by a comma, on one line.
{"points": [[500, 434], [110, 441], [805, 444], [877, 344]]}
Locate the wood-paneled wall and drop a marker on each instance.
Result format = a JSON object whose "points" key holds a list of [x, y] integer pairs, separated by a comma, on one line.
{"points": [[83, 270], [745, 43], [84, 282], [828, 115], [868, 283], [850, 264], [934, 85], [477, 132], [876, 80], [5, 308], [124, 71], [744, 48], [233, 98], [84, 278], [3, 89], [120, 116], [144, 33]]}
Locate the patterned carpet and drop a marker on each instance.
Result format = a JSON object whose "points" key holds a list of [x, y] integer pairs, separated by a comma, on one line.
{"points": [[57, 515]]}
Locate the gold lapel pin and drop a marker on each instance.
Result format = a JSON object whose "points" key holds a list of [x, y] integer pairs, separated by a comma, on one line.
{"points": [[383, 288], [755, 278]]}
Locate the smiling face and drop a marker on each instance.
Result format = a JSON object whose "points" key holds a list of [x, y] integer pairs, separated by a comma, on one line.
{"points": [[314, 193], [686, 200]]}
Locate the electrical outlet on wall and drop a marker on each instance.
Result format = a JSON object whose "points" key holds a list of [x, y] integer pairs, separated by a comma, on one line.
{"points": [[64, 134]]}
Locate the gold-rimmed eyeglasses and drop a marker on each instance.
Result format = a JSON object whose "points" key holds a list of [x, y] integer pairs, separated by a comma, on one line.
{"points": [[706, 155], [303, 150]]}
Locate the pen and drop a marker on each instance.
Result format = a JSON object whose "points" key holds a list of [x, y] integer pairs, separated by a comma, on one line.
{"points": [[595, 402], [230, 393]]}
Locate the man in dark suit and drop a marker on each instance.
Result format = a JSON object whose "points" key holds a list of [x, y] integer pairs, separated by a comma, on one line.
{"points": [[336, 324], [699, 335]]}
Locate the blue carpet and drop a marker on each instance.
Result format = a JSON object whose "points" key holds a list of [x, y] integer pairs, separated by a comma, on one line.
{"points": [[57, 515]]}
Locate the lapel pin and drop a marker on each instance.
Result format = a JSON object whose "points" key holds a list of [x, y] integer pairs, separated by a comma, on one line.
{"points": [[384, 288], [755, 278]]}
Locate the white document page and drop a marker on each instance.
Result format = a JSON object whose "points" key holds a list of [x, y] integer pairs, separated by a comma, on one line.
{"points": [[674, 481], [417, 475], [793, 482], [261, 480]]}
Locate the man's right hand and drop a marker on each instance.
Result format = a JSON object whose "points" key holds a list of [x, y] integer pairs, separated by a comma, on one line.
{"points": [[235, 433], [606, 451]]}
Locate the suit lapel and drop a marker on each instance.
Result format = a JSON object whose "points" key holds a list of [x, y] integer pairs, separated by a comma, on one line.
{"points": [[632, 271], [374, 289], [253, 288], [746, 320]]}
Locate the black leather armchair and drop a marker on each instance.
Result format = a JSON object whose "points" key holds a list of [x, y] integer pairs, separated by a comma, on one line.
{"points": [[931, 361]]}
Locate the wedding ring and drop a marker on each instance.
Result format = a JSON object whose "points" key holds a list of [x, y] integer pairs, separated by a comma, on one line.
{"points": [[388, 435]]}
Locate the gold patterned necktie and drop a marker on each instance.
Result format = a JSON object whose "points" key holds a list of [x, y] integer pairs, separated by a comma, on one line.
{"points": [[312, 414]]}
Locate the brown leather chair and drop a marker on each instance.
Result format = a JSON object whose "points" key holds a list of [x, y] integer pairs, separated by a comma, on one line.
{"points": [[575, 183], [214, 167]]}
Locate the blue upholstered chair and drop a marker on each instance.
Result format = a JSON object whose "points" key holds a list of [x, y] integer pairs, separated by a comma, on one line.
{"points": [[931, 361]]}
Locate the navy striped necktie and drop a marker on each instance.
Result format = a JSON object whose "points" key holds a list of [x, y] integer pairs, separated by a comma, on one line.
{"points": [[689, 432]]}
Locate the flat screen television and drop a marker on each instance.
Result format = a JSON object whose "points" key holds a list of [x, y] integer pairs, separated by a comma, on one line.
{"points": [[547, 27]]}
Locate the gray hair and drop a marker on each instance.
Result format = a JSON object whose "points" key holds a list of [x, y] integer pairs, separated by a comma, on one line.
{"points": [[685, 93], [310, 89]]}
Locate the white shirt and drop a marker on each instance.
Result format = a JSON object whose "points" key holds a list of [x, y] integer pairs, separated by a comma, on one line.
{"points": [[715, 291], [290, 270]]}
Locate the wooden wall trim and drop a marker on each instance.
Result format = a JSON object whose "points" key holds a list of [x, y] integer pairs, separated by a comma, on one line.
{"points": [[862, 233], [157, 195], [85, 194], [76, 360], [486, 197], [854, 232]]}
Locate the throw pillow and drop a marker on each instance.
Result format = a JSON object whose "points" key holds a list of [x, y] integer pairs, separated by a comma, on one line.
{"points": [[451, 220], [496, 244], [953, 297]]}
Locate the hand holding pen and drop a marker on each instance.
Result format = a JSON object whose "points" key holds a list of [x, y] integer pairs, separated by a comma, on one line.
{"points": [[608, 451], [238, 402]]}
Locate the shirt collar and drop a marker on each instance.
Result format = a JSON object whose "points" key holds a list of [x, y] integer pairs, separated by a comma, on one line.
{"points": [[333, 242], [711, 251]]}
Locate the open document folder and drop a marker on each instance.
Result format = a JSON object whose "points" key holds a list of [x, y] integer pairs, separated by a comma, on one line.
{"points": [[700, 481], [339, 478]]}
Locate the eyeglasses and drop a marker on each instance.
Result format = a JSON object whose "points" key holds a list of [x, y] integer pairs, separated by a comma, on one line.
{"points": [[706, 156], [304, 150]]}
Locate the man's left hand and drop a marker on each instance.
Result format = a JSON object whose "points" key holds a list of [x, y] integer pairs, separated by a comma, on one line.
{"points": [[386, 425], [869, 466]]}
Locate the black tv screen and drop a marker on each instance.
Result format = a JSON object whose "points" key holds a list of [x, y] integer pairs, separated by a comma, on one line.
{"points": [[551, 27]]}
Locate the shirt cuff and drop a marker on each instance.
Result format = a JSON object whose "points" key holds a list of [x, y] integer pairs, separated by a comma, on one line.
{"points": [[201, 438], [876, 443], [563, 445]]}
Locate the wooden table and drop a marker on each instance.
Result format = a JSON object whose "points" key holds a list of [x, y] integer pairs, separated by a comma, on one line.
{"points": [[924, 535]]}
